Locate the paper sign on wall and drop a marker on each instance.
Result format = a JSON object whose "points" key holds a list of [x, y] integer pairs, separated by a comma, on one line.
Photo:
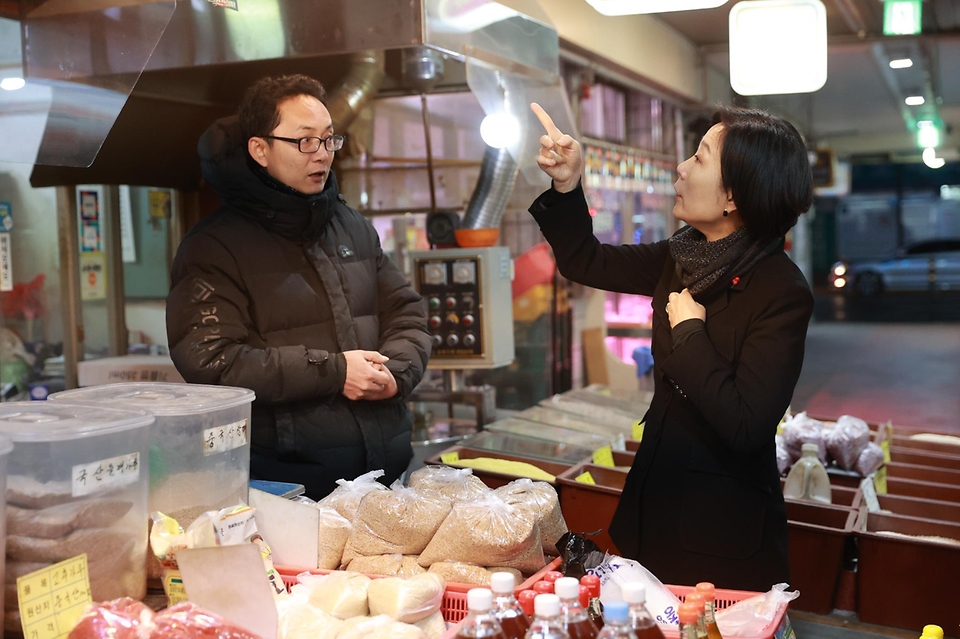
{"points": [[89, 201], [93, 276], [6, 262]]}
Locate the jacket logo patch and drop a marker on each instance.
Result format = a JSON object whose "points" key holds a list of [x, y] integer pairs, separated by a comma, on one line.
{"points": [[345, 251], [201, 290]]}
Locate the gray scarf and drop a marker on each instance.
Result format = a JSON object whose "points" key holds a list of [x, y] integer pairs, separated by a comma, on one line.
{"points": [[707, 267]]}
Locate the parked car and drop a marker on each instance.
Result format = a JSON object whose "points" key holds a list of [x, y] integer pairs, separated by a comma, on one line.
{"points": [[922, 266]]}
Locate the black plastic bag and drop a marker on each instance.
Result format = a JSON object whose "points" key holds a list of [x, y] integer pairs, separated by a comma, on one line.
{"points": [[579, 554]]}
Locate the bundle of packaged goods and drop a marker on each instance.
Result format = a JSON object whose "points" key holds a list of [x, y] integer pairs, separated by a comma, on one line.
{"points": [[77, 485]]}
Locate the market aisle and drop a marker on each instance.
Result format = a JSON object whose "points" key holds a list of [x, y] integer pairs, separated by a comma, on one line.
{"points": [[905, 372]]}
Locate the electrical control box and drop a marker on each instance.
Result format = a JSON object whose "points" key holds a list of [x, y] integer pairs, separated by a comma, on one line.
{"points": [[469, 305]]}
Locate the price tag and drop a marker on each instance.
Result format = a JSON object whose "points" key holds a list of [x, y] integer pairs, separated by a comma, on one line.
{"points": [[880, 480], [886, 450], [603, 457], [105, 474], [450, 458], [586, 478], [224, 438], [869, 495], [638, 431], [53, 599]]}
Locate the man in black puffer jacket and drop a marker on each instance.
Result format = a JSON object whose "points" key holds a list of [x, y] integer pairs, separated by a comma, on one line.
{"points": [[285, 290]]}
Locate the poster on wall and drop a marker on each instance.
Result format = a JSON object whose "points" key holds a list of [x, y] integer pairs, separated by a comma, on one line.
{"points": [[159, 204], [89, 203], [6, 263], [6, 217], [93, 276]]}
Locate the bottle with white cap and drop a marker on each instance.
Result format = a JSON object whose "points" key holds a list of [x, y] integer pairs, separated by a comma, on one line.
{"points": [[480, 621], [547, 623], [635, 595], [506, 608], [577, 621], [616, 621]]}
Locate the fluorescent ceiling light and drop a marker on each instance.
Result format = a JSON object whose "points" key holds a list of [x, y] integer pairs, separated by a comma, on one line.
{"points": [[901, 63], [12, 84], [914, 100], [629, 7], [928, 135], [778, 46], [930, 158]]}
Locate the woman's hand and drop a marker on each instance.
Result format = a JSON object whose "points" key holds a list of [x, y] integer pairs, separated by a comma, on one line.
{"points": [[559, 155], [681, 307]]}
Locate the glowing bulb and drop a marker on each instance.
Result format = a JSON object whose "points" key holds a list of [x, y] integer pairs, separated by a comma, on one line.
{"points": [[930, 158], [914, 100], [839, 282], [12, 84], [901, 63], [840, 270], [499, 130]]}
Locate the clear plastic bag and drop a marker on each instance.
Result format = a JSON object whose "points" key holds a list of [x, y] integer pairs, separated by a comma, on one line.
{"points": [[346, 497], [189, 621], [615, 571], [488, 532], [752, 617], [341, 594], [799, 430], [298, 619], [456, 484], [389, 565], [846, 440], [400, 520], [542, 499], [783, 456], [332, 535], [870, 459], [461, 573], [407, 600]]}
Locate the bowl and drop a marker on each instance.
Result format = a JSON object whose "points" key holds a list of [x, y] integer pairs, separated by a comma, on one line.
{"points": [[473, 238]]}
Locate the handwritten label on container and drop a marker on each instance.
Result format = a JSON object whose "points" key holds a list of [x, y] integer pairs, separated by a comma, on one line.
{"points": [[223, 438], [106, 474], [53, 599]]}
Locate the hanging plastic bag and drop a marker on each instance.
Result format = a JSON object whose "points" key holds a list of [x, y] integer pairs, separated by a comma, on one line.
{"points": [[752, 617]]}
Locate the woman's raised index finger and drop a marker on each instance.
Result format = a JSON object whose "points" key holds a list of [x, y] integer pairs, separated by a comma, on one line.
{"points": [[546, 121]]}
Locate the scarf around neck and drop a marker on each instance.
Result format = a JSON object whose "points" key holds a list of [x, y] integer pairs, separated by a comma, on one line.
{"points": [[707, 267]]}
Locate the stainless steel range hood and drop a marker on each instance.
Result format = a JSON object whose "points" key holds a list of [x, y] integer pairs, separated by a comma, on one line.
{"points": [[206, 56]]}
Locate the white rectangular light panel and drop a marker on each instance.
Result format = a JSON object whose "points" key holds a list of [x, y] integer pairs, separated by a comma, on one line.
{"points": [[630, 7]]}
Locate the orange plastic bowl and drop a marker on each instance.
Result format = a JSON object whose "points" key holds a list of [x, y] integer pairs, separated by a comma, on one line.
{"points": [[473, 238]]}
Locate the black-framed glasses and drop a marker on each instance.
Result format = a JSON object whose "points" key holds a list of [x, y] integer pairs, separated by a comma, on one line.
{"points": [[312, 144]]}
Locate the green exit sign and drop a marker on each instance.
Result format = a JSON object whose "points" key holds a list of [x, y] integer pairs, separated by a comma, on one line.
{"points": [[902, 17]]}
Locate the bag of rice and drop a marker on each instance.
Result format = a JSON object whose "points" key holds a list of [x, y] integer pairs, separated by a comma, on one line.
{"points": [[457, 572], [406, 600], [541, 498], [455, 484], [846, 440], [377, 564], [488, 532], [799, 430], [341, 594], [332, 535], [433, 627], [345, 499], [400, 520]]}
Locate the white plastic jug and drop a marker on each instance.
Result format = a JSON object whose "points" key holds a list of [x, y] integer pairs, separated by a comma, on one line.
{"points": [[808, 478]]}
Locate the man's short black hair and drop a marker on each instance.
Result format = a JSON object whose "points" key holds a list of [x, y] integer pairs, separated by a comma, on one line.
{"points": [[259, 110], [764, 164]]}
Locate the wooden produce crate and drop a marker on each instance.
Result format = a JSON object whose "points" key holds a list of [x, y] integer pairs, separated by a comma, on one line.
{"points": [[632, 445], [624, 459], [495, 479], [818, 535], [902, 441], [903, 455], [923, 489], [907, 583], [922, 508], [924, 473], [587, 507]]}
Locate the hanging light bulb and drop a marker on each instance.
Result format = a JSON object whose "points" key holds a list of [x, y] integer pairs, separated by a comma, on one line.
{"points": [[499, 130], [931, 160]]}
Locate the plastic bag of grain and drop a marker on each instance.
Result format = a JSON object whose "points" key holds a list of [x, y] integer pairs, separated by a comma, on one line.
{"points": [[406, 600], [341, 594], [799, 430], [400, 520], [346, 497], [488, 532], [846, 440], [332, 535], [456, 484], [541, 498]]}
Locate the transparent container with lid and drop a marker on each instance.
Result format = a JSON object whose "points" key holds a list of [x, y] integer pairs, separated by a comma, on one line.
{"points": [[199, 445], [5, 447], [77, 483]]}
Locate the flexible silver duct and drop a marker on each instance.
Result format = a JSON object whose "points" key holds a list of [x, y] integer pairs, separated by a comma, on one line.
{"points": [[357, 89], [498, 173]]}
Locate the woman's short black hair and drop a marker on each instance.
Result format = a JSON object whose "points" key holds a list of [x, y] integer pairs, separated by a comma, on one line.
{"points": [[764, 164], [259, 110]]}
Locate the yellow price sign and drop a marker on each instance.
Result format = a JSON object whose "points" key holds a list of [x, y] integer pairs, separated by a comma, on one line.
{"points": [[638, 431], [880, 481], [886, 450], [450, 458], [603, 457], [52, 599], [586, 478]]}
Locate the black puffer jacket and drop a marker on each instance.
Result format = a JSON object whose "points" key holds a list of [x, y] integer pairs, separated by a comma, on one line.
{"points": [[267, 294]]}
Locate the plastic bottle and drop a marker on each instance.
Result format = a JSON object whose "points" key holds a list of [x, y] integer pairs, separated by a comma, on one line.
{"points": [[578, 623], [697, 600], [688, 616], [506, 608], [710, 609], [547, 623], [616, 621], [936, 632], [526, 599], [480, 621], [543, 587], [552, 576], [595, 608], [643, 624], [808, 478]]}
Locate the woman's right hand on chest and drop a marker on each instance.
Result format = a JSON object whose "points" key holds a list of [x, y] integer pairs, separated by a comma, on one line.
{"points": [[559, 155]]}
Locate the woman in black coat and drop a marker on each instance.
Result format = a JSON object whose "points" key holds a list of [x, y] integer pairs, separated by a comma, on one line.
{"points": [[703, 499]]}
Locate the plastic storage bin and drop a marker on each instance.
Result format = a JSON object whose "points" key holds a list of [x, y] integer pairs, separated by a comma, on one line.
{"points": [[77, 483], [922, 508], [5, 447], [548, 432], [495, 479], [924, 458], [818, 536], [528, 447], [589, 507], [199, 445]]}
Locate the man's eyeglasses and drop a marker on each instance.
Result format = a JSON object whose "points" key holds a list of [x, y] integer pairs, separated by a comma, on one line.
{"points": [[312, 144]]}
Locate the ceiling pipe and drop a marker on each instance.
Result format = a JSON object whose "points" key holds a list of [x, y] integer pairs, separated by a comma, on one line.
{"points": [[357, 89]]}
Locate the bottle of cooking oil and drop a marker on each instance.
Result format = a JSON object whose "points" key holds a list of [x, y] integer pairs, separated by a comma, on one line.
{"points": [[710, 609]]}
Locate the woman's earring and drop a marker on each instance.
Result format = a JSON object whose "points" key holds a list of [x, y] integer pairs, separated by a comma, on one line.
{"points": [[725, 213]]}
